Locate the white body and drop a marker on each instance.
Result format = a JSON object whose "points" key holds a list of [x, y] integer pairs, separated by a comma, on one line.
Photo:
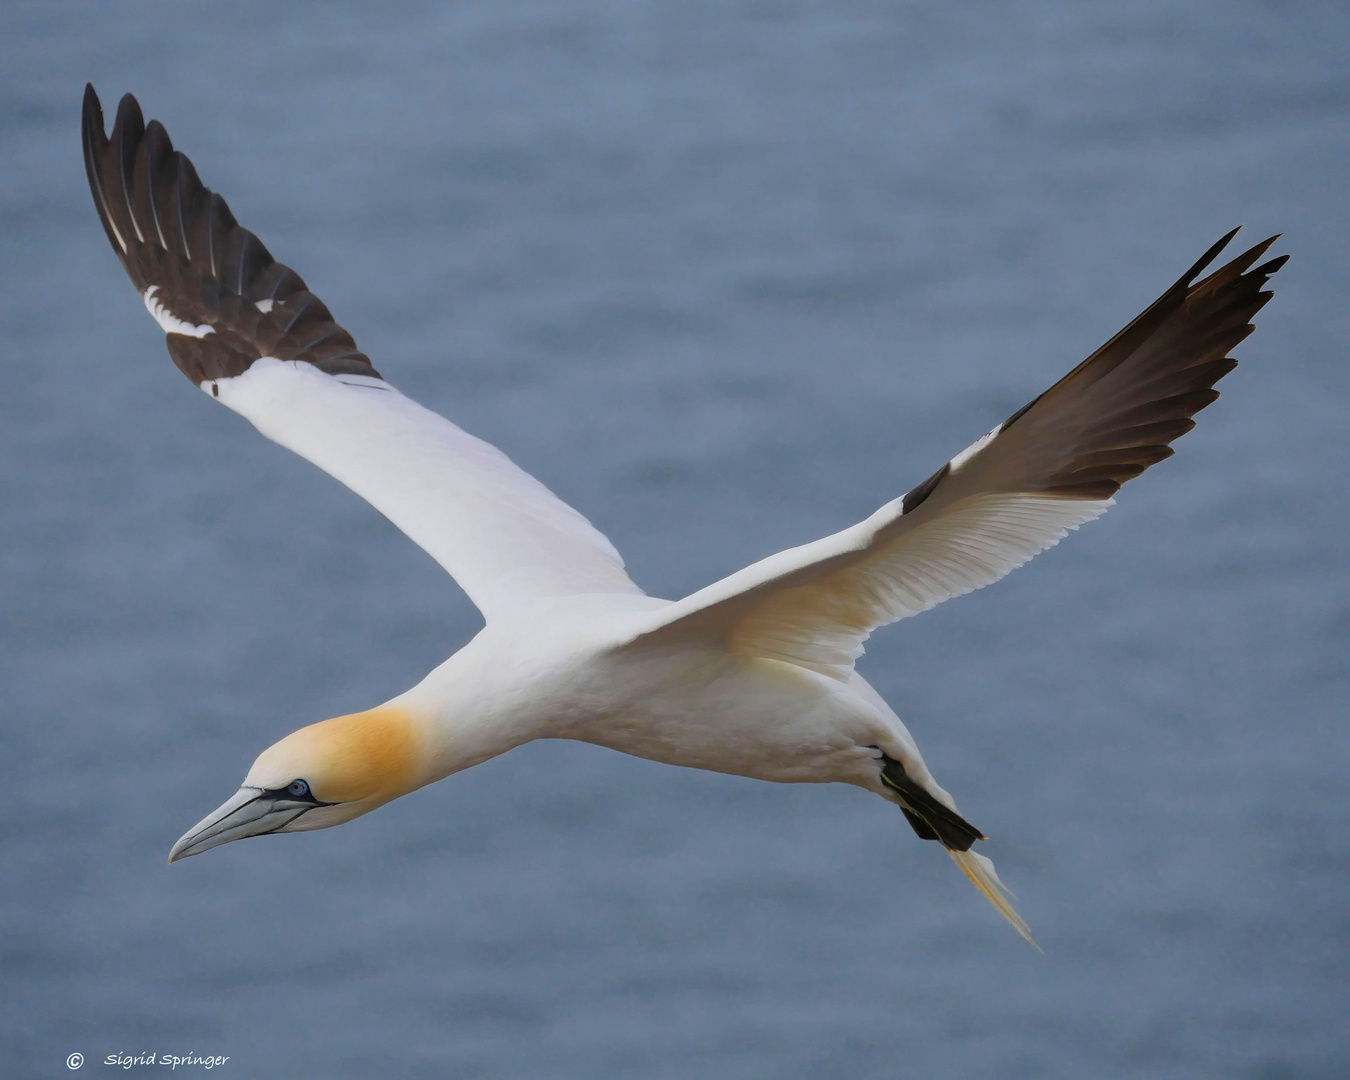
{"points": [[565, 674]]}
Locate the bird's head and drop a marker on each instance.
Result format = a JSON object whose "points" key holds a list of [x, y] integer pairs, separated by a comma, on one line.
{"points": [[319, 776]]}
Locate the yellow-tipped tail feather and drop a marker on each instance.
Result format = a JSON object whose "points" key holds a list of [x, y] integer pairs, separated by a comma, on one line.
{"points": [[981, 873]]}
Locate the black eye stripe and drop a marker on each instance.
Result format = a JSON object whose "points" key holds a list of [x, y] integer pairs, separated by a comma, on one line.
{"points": [[286, 794]]}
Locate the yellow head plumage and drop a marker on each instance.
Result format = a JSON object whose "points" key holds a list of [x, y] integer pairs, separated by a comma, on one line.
{"points": [[360, 761], [319, 776]]}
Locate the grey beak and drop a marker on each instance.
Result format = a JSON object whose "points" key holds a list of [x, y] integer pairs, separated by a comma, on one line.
{"points": [[248, 812]]}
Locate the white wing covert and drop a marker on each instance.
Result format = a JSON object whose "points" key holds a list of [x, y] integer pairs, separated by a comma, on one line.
{"points": [[1052, 466], [247, 330]]}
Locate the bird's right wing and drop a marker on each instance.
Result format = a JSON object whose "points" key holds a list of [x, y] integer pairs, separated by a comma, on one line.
{"points": [[247, 330], [1050, 467]]}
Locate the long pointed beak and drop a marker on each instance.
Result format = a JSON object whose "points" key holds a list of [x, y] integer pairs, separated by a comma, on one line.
{"points": [[248, 812]]}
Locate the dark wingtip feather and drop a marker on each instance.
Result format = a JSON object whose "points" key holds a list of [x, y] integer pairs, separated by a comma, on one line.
{"points": [[1267, 269], [1116, 414], [128, 105], [1243, 262], [175, 234], [1208, 257], [93, 140], [92, 107], [1215, 317]]}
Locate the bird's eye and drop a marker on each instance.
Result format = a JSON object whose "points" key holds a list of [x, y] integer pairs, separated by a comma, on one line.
{"points": [[297, 789]]}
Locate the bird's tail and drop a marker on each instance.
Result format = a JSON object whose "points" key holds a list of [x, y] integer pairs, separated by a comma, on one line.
{"points": [[933, 820], [981, 872]]}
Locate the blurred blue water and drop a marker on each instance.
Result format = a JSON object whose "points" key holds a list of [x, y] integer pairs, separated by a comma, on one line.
{"points": [[727, 276]]}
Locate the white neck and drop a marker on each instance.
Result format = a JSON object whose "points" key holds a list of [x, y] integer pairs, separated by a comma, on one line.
{"points": [[476, 705]]}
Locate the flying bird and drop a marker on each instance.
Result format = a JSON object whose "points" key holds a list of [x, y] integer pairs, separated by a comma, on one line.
{"points": [[753, 675]]}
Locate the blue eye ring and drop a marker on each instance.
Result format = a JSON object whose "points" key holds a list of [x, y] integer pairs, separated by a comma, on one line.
{"points": [[297, 789]]}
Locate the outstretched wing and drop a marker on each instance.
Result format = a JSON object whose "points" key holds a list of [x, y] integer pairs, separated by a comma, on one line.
{"points": [[1050, 467], [246, 330]]}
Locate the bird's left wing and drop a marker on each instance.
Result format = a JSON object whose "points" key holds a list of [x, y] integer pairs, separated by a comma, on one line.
{"points": [[1049, 468], [245, 329]]}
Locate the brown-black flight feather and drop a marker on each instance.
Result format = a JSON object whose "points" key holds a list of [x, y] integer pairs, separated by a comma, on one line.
{"points": [[1118, 411], [189, 258]]}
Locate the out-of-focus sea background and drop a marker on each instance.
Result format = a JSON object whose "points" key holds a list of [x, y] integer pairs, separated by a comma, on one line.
{"points": [[727, 276]]}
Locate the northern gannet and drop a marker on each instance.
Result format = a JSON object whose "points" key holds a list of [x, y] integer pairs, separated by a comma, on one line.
{"points": [[753, 675]]}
